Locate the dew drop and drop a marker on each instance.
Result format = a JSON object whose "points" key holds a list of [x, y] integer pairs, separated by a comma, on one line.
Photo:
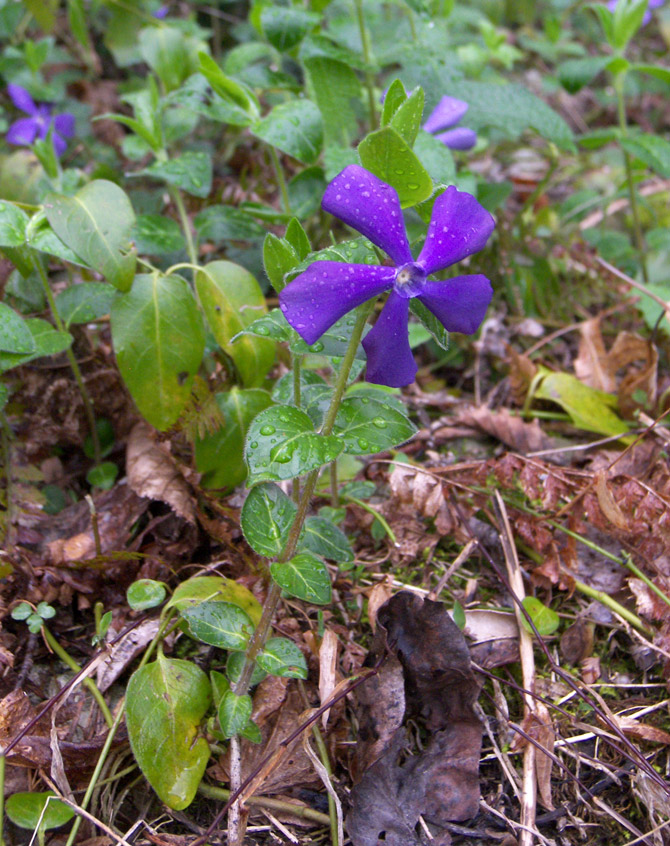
{"points": [[363, 444], [282, 458], [268, 429], [379, 422], [253, 445], [262, 330], [317, 347]]}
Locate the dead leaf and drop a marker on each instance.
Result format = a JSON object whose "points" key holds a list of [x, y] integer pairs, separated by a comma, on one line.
{"points": [[153, 473], [542, 731], [521, 373], [426, 677], [123, 652], [628, 350], [377, 596], [518, 434], [591, 365], [576, 642], [327, 669], [608, 504]]}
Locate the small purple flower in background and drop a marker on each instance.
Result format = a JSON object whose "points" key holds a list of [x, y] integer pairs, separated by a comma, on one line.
{"points": [[161, 12], [653, 4], [26, 130], [444, 116], [327, 290]]}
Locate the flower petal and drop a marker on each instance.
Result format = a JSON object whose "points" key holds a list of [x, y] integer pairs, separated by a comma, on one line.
{"points": [[23, 131], [326, 291], [390, 360], [372, 207], [447, 112], [21, 99], [460, 303], [460, 138], [64, 124], [459, 226], [60, 144]]}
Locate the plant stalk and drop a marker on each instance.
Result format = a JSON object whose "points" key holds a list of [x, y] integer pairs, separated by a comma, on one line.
{"points": [[279, 173], [367, 56], [178, 200]]}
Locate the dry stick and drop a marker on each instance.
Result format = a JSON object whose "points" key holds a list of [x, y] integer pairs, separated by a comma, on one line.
{"points": [[529, 790]]}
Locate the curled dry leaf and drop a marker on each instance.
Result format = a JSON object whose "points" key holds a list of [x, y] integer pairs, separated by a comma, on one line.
{"points": [[591, 365], [327, 669], [510, 429], [608, 504], [153, 473], [377, 596], [423, 492], [427, 677], [577, 641]]}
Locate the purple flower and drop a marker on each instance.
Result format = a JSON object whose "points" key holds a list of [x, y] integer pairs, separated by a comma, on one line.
{"points": [[653, 4], [161, 12], [327, 290], [25, 130], [445, 115]]}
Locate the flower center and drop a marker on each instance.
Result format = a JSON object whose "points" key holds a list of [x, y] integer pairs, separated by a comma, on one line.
{"points": [[409, 280]]}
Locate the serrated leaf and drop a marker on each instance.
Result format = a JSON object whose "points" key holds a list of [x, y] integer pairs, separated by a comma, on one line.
{"points": [[165, 703], [219, 456], [323, 538], [282, 444], [386, 154], [282, 657], [159, 342], [48, 341], [215, 589], [295, 128], [157, 235], [95, 224], [267, 516], [15, 336], [367, 426], [192, 172], [220, 624], [234, 713], [13, 222], [304, 576], [84, 302], [286, 26]]}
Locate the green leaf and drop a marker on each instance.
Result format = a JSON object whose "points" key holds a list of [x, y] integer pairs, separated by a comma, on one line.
{"points": [[229, 89], [48, 341], [652, 70], [545, 620], [226, 223], [407, 118], [15, 336], [267, 516], [37, 810], [220, 624], [574, 74], [286, 26], [278, 258], [219, 682], [40, 236], [192, 172], [653, 150], [234, 713], [84, 302], [432, 324], [304, 576], [219, 456], [628, 15], [272, 325], [159, 341], [232, 299], [589, 409], [234, 666], [103, 475], [323, 538], [165, 703], [282, 657], [145, 593], [215, 589], [297, 238], [166, 51], [386, 154], [334, 87], [305, 191], [13, 222], [282, 444], [282, 393], [95, 223], [367, 426], [393, 100], [295, 128], [157, 235], [252, 732]]}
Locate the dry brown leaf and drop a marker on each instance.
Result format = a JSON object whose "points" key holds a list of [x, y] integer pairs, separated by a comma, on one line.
{"points": [[542, 731], [521, 373], [327, 669], [423, 492], [518, 434], [153, 473], [378, 595], [633, 728], [592, 366], [627, 350], [576, 642], [608, 504], [123, 652]]}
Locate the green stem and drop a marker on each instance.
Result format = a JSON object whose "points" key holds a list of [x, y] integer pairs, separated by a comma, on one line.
{"points": [[325, 760], [104, 752], [637, 227], [185, 224], [88, 405], [296, 359], [261, 633], [613, 605], [279, 173], [367, 56], [223, 795], [334, 492], [66, 658]]}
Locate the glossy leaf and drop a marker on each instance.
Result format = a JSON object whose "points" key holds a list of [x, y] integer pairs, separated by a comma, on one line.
{"points": [[226, 223], [367, 426], [30, 810], [267, 516], [323, 538], [393, 99], [95, 224], [282, 444], [215, 589], [286, 26], [589, 408], [545, 619], [295, 128], [84, 302], [432, 324], [232, 299], [282, 657], [278, 258], [157, 235], [234, 713], [145, 593], [159, 341], [219, 456], [15, 336], [407, 118], [234, 666], [220, 624], [335, 87], [304, 576], [13, 222], [165, 703], [48, 341], [192, 172], [297, 238], [386, 154]]}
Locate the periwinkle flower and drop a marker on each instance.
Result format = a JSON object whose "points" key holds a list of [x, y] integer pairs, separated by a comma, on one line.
{"points": [[653, 4], [40, 119], [445, 116], [327, 290]]}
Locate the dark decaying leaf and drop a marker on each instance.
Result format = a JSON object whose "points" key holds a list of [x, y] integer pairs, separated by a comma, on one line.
{"points": [[427, 678]]}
